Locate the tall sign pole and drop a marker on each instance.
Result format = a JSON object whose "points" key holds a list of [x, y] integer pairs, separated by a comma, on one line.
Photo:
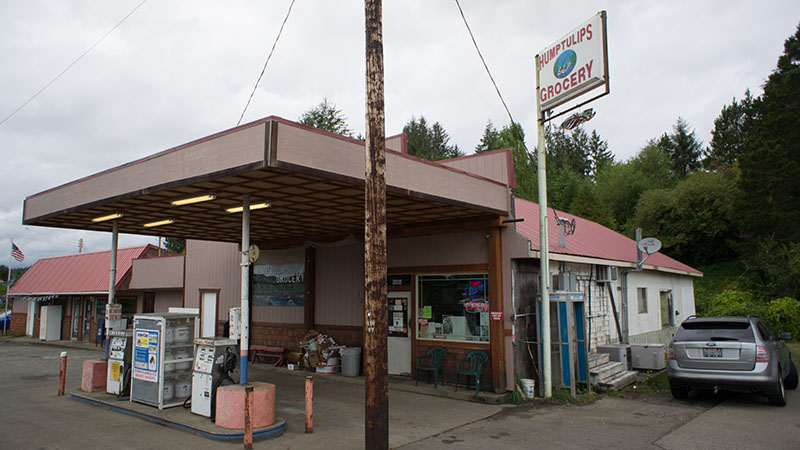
{"points": [[376, 430], [565, 70], [544, 249]]}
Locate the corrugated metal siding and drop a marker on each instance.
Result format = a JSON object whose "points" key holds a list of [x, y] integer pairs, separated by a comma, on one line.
{"points": [[158, 273], [167, 299], [81, 272], [213, 266], [493, 166], [340, 285], [439, 250]]}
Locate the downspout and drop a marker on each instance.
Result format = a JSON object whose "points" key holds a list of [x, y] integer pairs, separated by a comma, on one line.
{"points": [[626, 337]]}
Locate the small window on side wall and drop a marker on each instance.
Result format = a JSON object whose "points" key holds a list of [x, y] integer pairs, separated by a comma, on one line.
{"points": [[642, 295]]}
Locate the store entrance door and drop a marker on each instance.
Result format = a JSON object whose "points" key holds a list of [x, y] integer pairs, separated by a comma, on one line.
{"points": [[399, 342]]}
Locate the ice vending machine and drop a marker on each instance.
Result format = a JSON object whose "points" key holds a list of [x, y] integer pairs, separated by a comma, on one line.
{"points": [[119, 361], [163, 349]]}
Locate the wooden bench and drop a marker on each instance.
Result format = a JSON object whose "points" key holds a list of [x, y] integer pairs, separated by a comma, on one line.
{"points": [[263, 351]]}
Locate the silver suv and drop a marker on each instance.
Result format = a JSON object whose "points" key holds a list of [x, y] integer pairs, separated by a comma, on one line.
{"points": [[730, 353]]}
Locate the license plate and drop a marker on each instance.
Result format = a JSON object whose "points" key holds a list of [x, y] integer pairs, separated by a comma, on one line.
{"points": [[712, 353]]}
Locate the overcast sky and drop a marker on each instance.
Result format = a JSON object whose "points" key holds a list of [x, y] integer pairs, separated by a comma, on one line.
{"points": [[177, 70]]}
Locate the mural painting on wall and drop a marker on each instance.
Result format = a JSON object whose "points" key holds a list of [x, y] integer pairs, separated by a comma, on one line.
{"points": [[279, 281]]}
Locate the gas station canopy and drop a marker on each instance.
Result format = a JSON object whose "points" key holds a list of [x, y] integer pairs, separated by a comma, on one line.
{"points": [[312, 180]]}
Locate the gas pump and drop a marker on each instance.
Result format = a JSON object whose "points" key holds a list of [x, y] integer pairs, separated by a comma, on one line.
{"points": [[215, 362], [118, 381]]}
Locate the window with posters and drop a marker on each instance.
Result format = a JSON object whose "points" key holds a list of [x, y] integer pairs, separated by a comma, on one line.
{"points": [[453, 307]]}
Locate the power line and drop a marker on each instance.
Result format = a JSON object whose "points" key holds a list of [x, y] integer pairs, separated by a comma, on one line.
{"points": [[72, 64], [488, 72], [265, 64]]}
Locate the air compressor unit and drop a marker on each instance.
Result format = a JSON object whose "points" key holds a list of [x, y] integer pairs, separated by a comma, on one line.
{"points": [[215, 363]]}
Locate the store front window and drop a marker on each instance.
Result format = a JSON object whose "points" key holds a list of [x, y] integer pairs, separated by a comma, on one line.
{"points": [[453, 307]]}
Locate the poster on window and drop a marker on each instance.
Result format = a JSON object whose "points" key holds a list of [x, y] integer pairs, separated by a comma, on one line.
{"points": [[278, 278]]}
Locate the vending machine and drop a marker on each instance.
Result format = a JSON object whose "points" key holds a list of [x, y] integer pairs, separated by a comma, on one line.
{"points": [[215, 360], [163, 349], [119, 361]]}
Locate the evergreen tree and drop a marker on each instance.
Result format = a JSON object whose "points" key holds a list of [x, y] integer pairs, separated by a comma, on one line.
{"points": [[683, 147], [770, 157], [727, 137], [429, 141], [326, 117], [176, 245], [490, 139], [599, 154]]}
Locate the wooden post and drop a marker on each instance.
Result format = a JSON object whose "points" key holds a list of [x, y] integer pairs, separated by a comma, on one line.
{"points": [[248, 422], [62, 373], [309, 404], [496, 327], [376, 432]]}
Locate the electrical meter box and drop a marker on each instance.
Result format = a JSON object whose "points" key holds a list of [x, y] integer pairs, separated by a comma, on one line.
{"points": [[119, 361], [163, 351]]}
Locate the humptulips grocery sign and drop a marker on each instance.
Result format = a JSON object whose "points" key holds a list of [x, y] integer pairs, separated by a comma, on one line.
{"points": [[574, 65]]}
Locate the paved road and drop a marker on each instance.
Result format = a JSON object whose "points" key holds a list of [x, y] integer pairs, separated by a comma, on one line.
{"points": [[729, 421], [32, 416]]}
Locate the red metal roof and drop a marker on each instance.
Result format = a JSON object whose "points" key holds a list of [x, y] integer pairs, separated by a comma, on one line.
{"points": [[78, 273], [590, 239]]}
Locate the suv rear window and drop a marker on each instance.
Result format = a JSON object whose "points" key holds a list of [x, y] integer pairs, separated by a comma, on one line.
{"points": [[715, 331]]}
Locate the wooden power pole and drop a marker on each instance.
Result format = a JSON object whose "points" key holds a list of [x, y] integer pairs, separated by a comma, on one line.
{"points": [[376, 432]]}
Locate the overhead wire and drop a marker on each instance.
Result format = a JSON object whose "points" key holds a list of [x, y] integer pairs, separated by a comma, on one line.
{"points": [[274, 44], [72, 64], [488, 72]]}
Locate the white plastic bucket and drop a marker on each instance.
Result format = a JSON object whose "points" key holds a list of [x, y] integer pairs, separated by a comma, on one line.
{"points": [[527, 387], [329, 367]]}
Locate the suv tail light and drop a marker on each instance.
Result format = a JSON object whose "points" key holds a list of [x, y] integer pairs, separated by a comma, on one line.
{"points": [[762, 355], [670, 352]]}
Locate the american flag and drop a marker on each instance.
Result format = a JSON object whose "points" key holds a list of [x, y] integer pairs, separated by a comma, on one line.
{"points": [[17, 253]]}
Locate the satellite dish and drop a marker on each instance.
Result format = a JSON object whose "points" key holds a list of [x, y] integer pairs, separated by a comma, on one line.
{"points": [[649, 245], [253, 253]]}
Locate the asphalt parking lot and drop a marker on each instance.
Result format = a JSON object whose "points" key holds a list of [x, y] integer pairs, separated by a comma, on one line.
{"points": [[33, 416]]}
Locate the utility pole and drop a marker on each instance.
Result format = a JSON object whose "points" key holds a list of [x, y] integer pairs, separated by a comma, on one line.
{"points": [[376, 430]]}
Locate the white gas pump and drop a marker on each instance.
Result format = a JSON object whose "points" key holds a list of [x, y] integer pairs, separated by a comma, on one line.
{"points": [[119, 361], [215, 361]]}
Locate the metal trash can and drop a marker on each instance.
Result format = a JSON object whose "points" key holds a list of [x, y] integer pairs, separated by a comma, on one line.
{"points": [[351, 361]]}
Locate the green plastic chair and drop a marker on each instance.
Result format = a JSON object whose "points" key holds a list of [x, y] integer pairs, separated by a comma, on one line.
{"points": [[476, 358], [436, 355]]}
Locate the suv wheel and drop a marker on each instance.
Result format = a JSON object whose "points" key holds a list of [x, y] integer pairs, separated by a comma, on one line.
{"points": [[791, 379], [779, 397]]}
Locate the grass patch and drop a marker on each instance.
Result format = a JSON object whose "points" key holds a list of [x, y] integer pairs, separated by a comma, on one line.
{"points": [[794, 347], [653, 384], [11, 335], [564, 396]]}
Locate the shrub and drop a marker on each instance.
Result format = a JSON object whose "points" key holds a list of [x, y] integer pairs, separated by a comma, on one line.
{"points": [[783, 314], [732, 302]]}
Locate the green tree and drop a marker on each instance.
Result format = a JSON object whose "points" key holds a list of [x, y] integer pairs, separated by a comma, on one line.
{"points": [[429, 141], [727, 137], [599, 154], [683, 148], [326, 117], [490, 139], [586, 204], [618, 186], [770, 157], [695, 220], [176, 245]]}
